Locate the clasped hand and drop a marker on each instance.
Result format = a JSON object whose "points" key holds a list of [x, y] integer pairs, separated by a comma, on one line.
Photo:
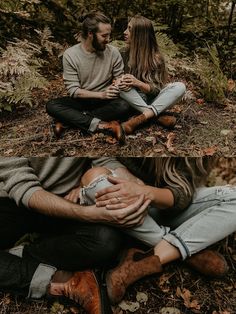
{"points": [[126, 82], [111, 92], [126, 201]]}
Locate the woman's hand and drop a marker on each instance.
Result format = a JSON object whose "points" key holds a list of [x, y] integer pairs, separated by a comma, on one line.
{"points": [[122, 85], [120, 214], [123, 191], [73, 195], [130, 80]]}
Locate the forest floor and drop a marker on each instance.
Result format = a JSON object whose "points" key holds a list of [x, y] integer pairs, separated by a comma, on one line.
{"points": [[202, 129], [178, 290]]}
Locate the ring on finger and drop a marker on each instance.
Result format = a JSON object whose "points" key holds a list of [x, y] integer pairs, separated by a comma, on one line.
{"points": [[118, 198]]}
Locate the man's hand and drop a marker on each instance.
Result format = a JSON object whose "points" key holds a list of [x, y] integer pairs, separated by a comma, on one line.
{"points": [[122, 190], [111, 92], [121, 214], [73, 195]]}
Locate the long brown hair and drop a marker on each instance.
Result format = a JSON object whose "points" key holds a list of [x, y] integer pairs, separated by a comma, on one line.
{"points": [[185, 172], [145, 60]]}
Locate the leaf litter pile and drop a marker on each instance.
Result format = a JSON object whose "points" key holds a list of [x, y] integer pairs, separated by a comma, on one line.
{"points": [[202, 129], [177, 290]]}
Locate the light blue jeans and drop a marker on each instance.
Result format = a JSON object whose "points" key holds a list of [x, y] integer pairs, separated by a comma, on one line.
{"points": [[210, 218], [167, 97]]}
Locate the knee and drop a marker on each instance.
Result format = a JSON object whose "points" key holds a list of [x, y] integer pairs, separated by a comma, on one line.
{"points": [[92, 174], [110, 243], [124, 106], [181, 88], [50, 105]]}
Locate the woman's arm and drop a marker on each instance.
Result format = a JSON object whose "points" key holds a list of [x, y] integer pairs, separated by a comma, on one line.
{"points": [[131, 81], [162, 198]]}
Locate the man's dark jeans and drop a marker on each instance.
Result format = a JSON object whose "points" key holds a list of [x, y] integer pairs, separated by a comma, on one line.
{"points": [[78, 113], [65, 244]]}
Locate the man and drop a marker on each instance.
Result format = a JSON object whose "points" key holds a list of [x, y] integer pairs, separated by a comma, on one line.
{"points": [[89, 68], [40, 195]]}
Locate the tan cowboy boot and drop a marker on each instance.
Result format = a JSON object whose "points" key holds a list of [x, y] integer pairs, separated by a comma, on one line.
{"points": [[209, 263], [113, 128], [167, 121], [135, 265], [81, 287], [130, 125]]}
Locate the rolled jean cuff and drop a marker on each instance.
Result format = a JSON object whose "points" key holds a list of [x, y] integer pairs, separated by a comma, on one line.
{"points": [[17, 250], [176, 241], [40, 281], [154, 109], [93, 125]]}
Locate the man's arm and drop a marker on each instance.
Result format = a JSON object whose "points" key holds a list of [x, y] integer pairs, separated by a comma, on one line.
{"points": [[119, 215], [111, 92]]}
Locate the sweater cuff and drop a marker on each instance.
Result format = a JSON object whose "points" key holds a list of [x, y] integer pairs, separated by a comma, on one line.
{"points": [[181, 200], [26, 197]]}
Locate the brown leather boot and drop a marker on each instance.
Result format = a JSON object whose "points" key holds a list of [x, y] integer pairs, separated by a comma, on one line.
{"points": [[81, 287], [58, 129], [130, 125], [209, 263], [113, 128], [167, 121], [135, 265]]}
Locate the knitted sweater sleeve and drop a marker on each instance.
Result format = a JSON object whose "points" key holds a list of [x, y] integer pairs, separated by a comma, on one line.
{"points": [[181, 199], [19, 179]]}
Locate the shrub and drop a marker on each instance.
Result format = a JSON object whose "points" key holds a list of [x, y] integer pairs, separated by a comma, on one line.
{"points": [[19, 73]]}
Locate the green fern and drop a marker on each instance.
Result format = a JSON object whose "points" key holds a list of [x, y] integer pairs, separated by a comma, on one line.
{"points": [[213, 80], [19, 73], [167, 46], [46, 42]]}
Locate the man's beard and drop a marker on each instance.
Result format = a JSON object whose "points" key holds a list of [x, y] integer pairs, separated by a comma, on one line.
{"points": [[96, 45]]}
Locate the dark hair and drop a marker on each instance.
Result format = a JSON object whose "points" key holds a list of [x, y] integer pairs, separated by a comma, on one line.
{"points": [[90, 22]]}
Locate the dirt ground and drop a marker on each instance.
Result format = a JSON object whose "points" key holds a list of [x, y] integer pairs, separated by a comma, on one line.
{"points": [[201, 129]]}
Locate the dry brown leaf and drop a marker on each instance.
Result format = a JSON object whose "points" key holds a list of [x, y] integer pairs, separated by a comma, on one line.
{"points": [[200, 101], [74, 310], [8, 152], [231, 85], [111, 140], [210, 151], [185, 294], [170, 139], [164, 279]]}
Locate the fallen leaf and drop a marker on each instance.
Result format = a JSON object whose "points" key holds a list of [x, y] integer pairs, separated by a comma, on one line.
{"points": [[169, 310], [164, 279], [141, 297], [231, 85], [225, 132], [150, 139], [8, 152], [185, 294], [74, 310], [111, 140], [210, 151], [200, 101], [170, 139], [129, 306]]}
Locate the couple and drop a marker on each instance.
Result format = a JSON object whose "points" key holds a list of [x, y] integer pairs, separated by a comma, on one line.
{"points": [[105, 87], [81, 216]]}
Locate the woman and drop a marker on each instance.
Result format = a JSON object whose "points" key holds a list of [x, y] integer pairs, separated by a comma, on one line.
{"points": [[193, 218], [147, 75]]}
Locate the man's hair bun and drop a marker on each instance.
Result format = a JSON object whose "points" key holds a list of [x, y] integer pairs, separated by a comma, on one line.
{"points": [[82, 17]]}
